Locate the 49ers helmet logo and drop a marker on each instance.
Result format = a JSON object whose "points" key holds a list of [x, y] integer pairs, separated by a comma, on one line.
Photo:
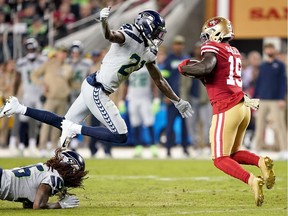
{"points": [[213, 22]]}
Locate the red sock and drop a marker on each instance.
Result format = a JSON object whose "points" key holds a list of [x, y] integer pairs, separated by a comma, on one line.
{"points": [[231, 167], [245, 157]]}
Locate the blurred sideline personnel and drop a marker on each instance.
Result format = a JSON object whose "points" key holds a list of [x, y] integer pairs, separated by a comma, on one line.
{"points": [[54, 76], [80, 66], [31, 93], [220, 72], [80, 70], [173, 77], [271, 73], [34, 184], [133, 46], [140, 94]]}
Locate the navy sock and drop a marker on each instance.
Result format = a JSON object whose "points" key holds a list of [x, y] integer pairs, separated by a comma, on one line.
{"points": [[151, 133], [45, 117], [104, 134], [23, 131], [137, 131]]}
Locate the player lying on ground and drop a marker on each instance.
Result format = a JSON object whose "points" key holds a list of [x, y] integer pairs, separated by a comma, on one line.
{"points": [[33, 185], [220, 72], [133, 46]]}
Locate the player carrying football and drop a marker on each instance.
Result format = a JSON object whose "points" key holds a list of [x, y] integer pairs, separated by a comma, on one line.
{"points": [[133, 46], [220, 72], [33, 185]]}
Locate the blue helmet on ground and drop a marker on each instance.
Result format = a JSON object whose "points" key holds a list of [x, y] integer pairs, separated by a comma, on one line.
{"points": [[74, 159], [151, 25]]}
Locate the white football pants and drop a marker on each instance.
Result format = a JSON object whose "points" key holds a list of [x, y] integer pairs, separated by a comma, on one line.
{"points": [[97, 102]]}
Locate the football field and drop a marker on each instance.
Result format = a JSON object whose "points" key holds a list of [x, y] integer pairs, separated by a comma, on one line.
{"points": [[161, 187]]}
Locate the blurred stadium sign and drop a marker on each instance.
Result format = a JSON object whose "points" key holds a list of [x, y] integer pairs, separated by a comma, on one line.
{"points": [[252, 19]]}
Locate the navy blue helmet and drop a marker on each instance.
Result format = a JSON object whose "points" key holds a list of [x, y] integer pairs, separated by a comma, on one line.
{"points": [[151, 25], [31, 44], [74, 159]]}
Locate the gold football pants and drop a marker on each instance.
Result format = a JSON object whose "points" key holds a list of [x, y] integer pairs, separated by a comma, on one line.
{"points": [[228, 129]]}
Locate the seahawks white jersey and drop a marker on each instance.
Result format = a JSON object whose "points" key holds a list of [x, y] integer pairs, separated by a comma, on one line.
{"points": [[26, 67], [20, 184], [123, 59], [81, 70], [139, 85]]}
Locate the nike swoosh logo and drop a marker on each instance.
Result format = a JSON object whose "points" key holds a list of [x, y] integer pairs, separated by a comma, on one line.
{"points": [[5, 112]]}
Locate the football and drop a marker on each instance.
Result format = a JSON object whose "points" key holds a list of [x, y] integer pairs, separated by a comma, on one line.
{"points": [[192, 62]]}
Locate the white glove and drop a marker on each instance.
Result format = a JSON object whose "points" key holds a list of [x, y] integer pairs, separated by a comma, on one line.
{"points": [[104, 13], [69, 202], [184, 108], [252, 103]]}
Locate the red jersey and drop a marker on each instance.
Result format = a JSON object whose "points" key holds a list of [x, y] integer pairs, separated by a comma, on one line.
{"points": [[224, 84]]}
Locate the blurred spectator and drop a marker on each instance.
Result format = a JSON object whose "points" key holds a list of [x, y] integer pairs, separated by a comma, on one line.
{"points": [[96, 57], [85, 10], [140, 93], [27, 14], [62, 17], [199, 124], [28, 128], [173, 78], [80, 70], [7, 79], [271, 87], [250, 72], [54, 76], [5, 10], [95, 6], [38, 30], [41, 7]]}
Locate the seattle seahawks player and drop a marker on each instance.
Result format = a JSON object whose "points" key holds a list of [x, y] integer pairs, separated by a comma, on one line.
{"points": [[25, 67], [133, 46], [33, 185]]}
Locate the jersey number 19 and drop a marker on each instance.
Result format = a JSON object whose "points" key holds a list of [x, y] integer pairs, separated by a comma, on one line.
{"points": [[235, 72]]}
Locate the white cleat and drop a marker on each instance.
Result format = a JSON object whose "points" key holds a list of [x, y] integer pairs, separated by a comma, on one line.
{"points": [[11, 106], [69, 131]]}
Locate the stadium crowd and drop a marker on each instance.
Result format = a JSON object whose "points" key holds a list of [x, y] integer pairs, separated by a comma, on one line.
{"points": [[51, 77]]}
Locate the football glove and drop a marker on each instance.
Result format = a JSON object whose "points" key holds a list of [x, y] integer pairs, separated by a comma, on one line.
{"points": [[184, 108], [183, 63], [69, 202], [104, 13], [252, 103]]}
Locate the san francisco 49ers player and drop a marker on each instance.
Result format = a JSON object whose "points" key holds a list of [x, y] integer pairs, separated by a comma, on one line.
{"points": [[220, 72]]}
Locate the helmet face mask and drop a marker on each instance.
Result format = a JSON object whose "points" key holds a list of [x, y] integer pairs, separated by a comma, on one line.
{"points": [[152, 26], [217, 29]]}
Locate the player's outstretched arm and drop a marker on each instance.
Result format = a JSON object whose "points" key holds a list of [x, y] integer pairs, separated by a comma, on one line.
{"points": [[184, 107], [43, 193], [111, 35], [160, 82], [42, 196], [199, 69]]}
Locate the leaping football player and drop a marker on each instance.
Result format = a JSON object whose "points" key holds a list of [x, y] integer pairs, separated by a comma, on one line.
{"points": [[220, 72], [133, 46], [33, 185]]}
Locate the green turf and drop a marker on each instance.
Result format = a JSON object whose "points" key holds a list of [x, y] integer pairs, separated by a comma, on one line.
{"points": [[162, 187]]}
